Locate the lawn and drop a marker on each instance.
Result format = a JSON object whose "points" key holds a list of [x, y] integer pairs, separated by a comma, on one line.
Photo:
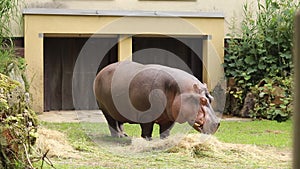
{"points": [[262, 133], [254, 144]]}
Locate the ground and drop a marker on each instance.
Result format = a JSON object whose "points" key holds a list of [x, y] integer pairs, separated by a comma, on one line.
{"points": [[80, 140]]}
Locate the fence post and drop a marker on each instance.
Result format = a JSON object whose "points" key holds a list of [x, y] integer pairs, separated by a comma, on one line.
{"points": [[296, 163]]}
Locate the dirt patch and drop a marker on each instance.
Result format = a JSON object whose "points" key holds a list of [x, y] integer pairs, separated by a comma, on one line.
{"points": [[76, 116]]}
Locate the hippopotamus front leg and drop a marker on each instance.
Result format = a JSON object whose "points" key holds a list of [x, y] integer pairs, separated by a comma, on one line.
{"points": [[147, 129], [165, 128]]}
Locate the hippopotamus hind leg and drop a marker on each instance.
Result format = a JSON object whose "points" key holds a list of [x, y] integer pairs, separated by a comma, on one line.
{"points": [[121, 128], [115, 127]]}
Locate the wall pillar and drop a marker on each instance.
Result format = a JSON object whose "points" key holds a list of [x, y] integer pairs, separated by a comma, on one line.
{"points": [[125, 48], [205, 78], [35, 68]]}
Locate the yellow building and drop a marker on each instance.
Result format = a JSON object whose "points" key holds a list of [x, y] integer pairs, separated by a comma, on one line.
{"points": [[66, 45]]}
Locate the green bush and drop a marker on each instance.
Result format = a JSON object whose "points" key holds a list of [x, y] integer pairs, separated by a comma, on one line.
{"points": [[18, 125], [273, 99], [12, 65], [9, 62], [8, 12], [18, 122], [263, 49]]}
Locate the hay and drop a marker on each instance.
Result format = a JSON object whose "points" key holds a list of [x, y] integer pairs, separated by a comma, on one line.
{"points": [[206, 146], [56, 143], [142, 145], [203, 148], [173, 141]]}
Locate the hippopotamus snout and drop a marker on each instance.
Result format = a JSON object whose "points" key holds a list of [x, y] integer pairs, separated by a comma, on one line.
{"points": [[210, 128]]}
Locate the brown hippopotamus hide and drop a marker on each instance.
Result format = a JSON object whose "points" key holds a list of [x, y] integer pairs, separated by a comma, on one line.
{"points": [[147, 94]]}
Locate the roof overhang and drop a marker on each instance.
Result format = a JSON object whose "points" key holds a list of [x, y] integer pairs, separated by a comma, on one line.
{"points": [[74, 12]]}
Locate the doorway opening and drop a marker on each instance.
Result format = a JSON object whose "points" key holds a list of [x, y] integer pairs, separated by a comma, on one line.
{"points": [[184, 53], [60, 55]]}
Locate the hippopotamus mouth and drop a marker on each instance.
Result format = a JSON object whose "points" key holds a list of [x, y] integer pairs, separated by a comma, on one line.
{"points": [[206, 126], [199, 127]]}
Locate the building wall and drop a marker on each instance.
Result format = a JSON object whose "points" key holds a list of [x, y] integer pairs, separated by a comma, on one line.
{"points": [[36, 26], [230, 8]]}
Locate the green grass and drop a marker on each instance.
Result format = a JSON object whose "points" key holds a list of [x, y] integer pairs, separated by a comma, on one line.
{"points": [[262, 133], [82, 136]]}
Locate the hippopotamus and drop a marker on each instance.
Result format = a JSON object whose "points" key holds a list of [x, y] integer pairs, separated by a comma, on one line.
{"points": [[130, 92]]}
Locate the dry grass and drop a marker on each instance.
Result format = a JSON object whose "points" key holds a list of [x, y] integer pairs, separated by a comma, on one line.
{"points": [[211, 147], [57, 144], [201, 146], [178, 141]]}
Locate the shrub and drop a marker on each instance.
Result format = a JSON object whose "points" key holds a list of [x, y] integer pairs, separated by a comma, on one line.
{"points": [[273, 99], [263, 49], [13, 66], [18, 122], [18, 125], [9, 13]]}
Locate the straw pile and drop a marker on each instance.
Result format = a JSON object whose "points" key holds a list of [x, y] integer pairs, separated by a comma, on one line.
{"points": [[205, 146], [56, 143], [201, 146]]}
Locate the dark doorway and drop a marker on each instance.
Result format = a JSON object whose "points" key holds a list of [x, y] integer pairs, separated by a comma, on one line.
{"points": [[60, 56], [182, 53]]}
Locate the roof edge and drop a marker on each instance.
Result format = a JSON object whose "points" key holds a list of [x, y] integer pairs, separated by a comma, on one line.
{"points": [[78, 12]]}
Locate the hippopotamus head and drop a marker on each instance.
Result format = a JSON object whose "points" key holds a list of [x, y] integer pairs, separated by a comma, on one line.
{"points": [[195, 108]]}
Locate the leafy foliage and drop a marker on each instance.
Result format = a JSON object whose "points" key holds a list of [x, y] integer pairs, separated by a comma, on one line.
{"points": [[8, 10], [264, 47], [274, 99], [12, 63], [18, 125], [18, 122]]}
